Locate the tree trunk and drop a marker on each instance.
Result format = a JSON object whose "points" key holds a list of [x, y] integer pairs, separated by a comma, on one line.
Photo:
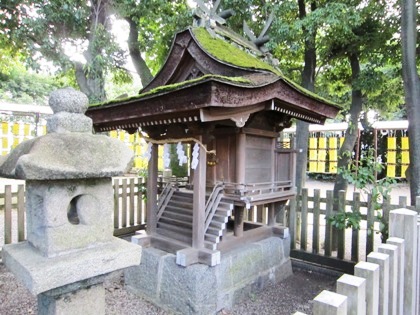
{"points": [[134, 48], [412, 91], [90, 77], [344, 154], [308, 82]]}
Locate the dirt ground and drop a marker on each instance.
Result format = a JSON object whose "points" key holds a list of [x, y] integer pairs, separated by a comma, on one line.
{"points": [[293, 294]]}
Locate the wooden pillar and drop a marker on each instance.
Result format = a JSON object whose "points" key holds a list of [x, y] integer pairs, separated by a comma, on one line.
{"points": [[152, 175], [199, 200], [238, 228]]}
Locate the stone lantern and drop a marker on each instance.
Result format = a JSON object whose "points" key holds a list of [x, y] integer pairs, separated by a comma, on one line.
{"points": [[70, 246]]}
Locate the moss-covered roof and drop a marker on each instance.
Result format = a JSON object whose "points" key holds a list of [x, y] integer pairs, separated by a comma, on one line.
{"points": [[174, 86], [226, 52], [223, 50]]}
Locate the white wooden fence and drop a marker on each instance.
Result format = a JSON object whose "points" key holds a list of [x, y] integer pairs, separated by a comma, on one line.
{"points": [[388, 282]]}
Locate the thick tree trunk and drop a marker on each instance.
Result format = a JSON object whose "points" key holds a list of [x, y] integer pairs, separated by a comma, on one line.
{"points": [[344, 154], [134, 48], [90, 77], [308, 82], [412, 91]]}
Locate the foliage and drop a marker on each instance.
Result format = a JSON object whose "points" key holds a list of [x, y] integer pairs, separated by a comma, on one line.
{"points": [[177, 170], [344, 220], [18, 85], [362, 175]]}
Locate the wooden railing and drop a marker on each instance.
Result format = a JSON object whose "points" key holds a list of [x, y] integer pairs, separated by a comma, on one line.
{"points": [[212, 204], [311, 234], [129, 209]]}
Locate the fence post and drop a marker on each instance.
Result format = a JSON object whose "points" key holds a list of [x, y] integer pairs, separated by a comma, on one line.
{"points": [[400, 243], [355, 290], [21, 212], [7, 214], [403, 224], [383, 261], [304, 219], [355, 232], [370, 272], [316, 211], [116, 203], [370, 222], [292, 222], [328, 227], [392, 252], [341, 233], [330, 303]]}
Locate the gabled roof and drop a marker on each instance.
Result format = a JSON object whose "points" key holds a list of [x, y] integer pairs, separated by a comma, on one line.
{"points": [[205, 73]]}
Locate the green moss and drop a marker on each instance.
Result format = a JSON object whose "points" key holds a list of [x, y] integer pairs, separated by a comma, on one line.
{"points": [[228, 53], [171, 87]]}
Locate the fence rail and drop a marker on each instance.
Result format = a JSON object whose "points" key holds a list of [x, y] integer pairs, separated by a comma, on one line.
{"points": [[312, 235], [129, 209]]}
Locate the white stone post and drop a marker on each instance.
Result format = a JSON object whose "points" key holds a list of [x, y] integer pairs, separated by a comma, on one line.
{"points": [[370, 272], [392, 252], [330, 303], [400, 243], [355, 290], [403, 224], [383, 261]]}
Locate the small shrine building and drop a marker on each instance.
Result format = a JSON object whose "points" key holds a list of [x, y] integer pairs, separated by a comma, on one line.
{"points": [[219, 92]]}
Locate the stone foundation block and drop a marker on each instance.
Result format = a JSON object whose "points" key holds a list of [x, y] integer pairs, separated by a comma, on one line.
{"points": [[200, 289]]}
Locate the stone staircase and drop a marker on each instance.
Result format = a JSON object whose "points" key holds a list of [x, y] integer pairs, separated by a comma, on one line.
{"points": [[175, 221]]}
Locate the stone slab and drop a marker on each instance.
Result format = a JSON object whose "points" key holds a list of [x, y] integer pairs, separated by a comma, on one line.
{"points": [[201, 289], [86, 301], [40, 274]]}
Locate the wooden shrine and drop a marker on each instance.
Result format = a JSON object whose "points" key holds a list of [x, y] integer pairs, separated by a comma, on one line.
{"points": [[221, 91]]}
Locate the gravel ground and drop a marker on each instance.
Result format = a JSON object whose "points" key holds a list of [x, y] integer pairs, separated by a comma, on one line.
{"points": [[293, 294]]}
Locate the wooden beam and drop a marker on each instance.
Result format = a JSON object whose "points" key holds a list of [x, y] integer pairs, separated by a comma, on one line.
{"points": [[152, 175], [327, 262], [199, 199], [240, 178]]}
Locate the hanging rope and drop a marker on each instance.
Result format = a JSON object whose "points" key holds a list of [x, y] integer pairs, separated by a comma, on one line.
{"points": [[180, 140]]}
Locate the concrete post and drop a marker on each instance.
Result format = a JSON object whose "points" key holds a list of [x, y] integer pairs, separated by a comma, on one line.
{"points": [[330, 303], [403, 224], [400, 243], [392, 252], [355, 290], [383, 261], [370, 272]]}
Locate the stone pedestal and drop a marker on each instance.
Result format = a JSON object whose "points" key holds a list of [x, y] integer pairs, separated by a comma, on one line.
{"points": [[200, 289]]}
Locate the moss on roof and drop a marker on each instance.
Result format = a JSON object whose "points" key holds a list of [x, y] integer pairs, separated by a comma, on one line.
{"points": [[171, 87], [228, 53]]}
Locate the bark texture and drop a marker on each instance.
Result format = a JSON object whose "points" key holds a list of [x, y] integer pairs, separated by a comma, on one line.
{"points": [[412, 91], [134, 48], [308, 82]]}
